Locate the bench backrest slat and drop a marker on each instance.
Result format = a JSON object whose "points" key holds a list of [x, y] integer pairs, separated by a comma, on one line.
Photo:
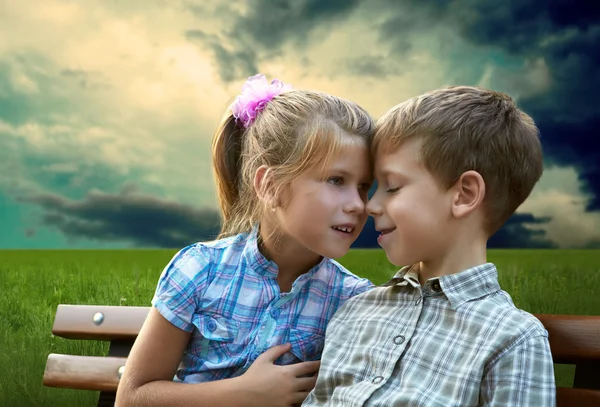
{"points": [[83, 372], [115, 323], [568, 397], [573, 338]]}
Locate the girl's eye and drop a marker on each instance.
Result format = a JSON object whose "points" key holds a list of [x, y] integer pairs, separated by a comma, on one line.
{"points": [[336, 180], [392, 190]]}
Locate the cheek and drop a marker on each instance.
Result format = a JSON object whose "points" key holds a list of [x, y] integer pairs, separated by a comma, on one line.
{"points": [[401, 208], [308, 206]]}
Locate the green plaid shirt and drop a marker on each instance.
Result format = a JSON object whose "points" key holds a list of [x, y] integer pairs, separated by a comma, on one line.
{"points": [[457, 341]]}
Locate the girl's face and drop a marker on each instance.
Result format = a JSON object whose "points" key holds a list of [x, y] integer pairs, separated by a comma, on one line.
{"points": [[325, 212]]}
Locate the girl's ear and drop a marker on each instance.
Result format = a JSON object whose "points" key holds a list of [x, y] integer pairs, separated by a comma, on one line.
{"points": [[263, 183]]}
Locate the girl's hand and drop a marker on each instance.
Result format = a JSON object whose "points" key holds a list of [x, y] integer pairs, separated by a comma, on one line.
{"points": [[271, 385]]}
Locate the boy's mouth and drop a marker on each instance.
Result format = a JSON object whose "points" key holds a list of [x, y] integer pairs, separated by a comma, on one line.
{"points": [[386, 231]]}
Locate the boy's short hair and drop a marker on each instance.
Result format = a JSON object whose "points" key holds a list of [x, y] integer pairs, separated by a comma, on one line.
{"points": [[462, 128]]}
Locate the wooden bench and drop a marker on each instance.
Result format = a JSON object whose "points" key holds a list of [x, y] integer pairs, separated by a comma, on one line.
{"points": [[574, 340]]}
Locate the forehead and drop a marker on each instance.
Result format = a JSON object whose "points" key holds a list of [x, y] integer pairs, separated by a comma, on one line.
{"points": [[349, 159], [402, 160]]}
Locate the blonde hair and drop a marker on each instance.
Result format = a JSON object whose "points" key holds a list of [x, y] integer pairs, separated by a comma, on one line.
{"points": [[464, 128], [297, 130]]}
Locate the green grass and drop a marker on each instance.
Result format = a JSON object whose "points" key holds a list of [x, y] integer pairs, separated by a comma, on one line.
{"points": [[33, 283]]}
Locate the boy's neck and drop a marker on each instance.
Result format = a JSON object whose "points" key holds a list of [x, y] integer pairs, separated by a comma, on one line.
{"points": [[463, 254]]}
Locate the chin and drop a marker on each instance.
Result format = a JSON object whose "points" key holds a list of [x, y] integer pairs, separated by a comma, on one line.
{"points": [[396, 260], [335, 253]]}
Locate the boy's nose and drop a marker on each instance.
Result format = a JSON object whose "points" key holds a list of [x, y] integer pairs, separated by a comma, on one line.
{"points": [[373, 206]]}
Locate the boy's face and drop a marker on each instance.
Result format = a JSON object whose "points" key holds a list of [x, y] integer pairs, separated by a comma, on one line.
{"points": [[411, 211]]}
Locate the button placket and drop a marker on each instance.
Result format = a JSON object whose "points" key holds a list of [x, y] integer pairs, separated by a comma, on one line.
{"points": [[377, 379], [399, 339], [211, 325]]}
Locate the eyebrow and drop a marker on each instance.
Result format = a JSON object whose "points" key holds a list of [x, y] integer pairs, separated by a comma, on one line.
{"points": [[348, 174], [387, 173]]}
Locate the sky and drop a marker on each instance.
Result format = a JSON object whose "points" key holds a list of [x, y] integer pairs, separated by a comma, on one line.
{"points": [[107, 109]]}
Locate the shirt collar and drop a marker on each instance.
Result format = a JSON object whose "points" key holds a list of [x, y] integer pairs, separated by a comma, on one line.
{"points": [[459, 288], [258, 263], [255, 260]]}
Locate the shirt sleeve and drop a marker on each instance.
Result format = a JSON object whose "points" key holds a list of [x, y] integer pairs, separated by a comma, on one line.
{"points": [[181, 285], [522, 376], [362, 285]]}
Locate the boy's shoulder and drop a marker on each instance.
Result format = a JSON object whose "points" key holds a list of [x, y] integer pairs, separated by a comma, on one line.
{"points": [[505, 319], [474, 297]]}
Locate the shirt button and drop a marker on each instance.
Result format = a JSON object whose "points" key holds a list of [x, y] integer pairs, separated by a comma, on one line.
{"points": [[398, 340], [377, 379], [211, 325], [275, 313], [436, 287]]}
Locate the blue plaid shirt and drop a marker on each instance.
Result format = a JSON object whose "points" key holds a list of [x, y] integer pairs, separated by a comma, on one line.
{"points": [[226, 294]]}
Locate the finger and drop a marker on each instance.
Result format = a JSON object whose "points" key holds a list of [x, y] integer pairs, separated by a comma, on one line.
{"points": [[305, 383], [273, 353], [306, 368], [299, 397]]}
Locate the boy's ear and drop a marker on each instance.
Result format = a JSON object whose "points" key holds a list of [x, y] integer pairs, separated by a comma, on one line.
{"points": [[469, 192], [263, 182]]}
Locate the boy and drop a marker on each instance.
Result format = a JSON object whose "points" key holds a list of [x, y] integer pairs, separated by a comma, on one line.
{"points": [[452, 166]]}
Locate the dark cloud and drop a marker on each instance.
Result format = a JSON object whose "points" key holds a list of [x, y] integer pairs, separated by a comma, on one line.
{"points": [[564, 34], [131, 216], [270, 23], [261, 32], [594, 244], [515, 234], [368, 237], [374, 66], [236, 62]]}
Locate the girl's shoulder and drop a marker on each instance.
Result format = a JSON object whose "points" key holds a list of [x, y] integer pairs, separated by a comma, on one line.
{"points": [[337, 267], [229, 242], [203, 253], [334, 271]]}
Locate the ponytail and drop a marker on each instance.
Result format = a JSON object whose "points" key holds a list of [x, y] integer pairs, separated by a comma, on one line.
{"points": [[226, 158]]}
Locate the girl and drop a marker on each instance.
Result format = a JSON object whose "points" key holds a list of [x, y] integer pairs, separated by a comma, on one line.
{"points": [[246, 314]]}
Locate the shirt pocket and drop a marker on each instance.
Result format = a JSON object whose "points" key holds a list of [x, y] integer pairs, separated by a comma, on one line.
{"points": [[306, 346], [217, 335]]}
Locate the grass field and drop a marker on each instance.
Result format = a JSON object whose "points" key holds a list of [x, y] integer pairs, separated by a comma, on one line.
{"points": [[33, 283]]}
